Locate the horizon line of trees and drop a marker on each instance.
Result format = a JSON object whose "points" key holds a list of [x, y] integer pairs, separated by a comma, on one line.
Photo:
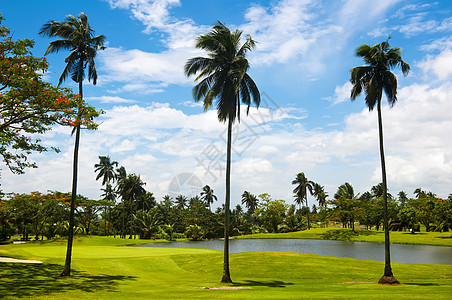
{"points": [[127, 210]]}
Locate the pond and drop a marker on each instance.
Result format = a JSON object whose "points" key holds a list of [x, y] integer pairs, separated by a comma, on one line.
{"points": [[415, 254]]}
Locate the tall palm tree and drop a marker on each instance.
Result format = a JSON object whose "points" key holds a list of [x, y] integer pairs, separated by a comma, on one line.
{"points": [[301, 191], [374, 78], [78, 37], [106, 171], [131, 188], [223, 76], [121, 175], [208, 196]]}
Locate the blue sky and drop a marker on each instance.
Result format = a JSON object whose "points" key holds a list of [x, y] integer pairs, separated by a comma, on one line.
{"points": [[306, 123]]}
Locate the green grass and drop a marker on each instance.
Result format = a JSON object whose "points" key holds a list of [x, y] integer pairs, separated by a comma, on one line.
{"points": [[396, 237], [105, 269]]}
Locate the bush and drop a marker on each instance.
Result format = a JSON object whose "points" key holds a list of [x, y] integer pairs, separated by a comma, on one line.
{"points": [[344, 234]]}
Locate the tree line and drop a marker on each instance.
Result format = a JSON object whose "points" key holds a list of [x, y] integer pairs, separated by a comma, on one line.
{"points": [[128, 210]]}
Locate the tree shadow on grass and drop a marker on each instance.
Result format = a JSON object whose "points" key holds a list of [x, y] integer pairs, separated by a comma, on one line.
{"points": [[421, 283], [27, 280], [271, 283]]}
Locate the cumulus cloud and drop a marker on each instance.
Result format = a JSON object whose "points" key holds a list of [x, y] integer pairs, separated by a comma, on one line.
{"points": [[440, 65]]}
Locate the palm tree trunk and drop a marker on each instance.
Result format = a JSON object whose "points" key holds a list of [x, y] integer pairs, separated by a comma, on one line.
{"points": [[307, 211], [388, 277], [67, 265], [226, 275], [131, 218]]}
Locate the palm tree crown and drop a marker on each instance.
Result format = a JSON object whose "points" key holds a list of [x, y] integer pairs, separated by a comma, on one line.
{"points": [[77, 37], [303, 187], [207, 195], [376, 77], [106, 169], [224, 72]]}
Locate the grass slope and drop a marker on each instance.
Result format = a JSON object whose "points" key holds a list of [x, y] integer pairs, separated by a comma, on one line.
{"points": [[106, 270]]}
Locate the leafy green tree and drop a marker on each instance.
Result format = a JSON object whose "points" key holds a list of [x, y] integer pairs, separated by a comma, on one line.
{"points": [[303, 186], [271, 212], [28, 105], [208, 196], [194, 232], [181, 201], [86, 212], [223, 76], [147, 223], [345, 205], [376, 78]]}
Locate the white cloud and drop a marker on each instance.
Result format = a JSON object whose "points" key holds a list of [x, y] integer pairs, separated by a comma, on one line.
{"points": [[341, 93], [110, 99], [440, 65], [439, 44]]}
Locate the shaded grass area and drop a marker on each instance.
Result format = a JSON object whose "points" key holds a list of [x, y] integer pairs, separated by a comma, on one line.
{"points": [[32, 280], [104, 269], [362, 235]]}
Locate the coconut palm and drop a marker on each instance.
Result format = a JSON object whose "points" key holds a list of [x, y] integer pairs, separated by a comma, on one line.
{"points": [[301, 191], [345, 191], [320, 194], [131, 189], [208, 196], [109, 195], [181, 201], [121, 175], [106, 171], [375, 78], [250, 201], [223, 76], [78, 37]]}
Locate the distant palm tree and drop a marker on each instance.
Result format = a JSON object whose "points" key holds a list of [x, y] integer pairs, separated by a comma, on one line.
{"points": [[208, 196], [106, 171], [78, 37], [345, 191], [181, 201], [402, 196], [121, 175], [250, 201], [301, 192], [374, 78], [109, 195], [223, 76], [320, 194], [131, 189]]}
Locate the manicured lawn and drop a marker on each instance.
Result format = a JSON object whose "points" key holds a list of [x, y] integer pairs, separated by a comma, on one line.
{"points": [[106, 270], [397, 237]]}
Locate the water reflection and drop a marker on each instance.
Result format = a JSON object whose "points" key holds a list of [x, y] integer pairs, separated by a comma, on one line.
{"points": [[416, 254]]}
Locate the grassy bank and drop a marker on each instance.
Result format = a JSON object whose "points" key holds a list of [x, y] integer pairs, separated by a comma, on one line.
{"points": [[397, 237], [106, 270]]}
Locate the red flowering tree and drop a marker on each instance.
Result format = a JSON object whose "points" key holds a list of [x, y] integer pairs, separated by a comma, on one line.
{"points": [[29, 105]]}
